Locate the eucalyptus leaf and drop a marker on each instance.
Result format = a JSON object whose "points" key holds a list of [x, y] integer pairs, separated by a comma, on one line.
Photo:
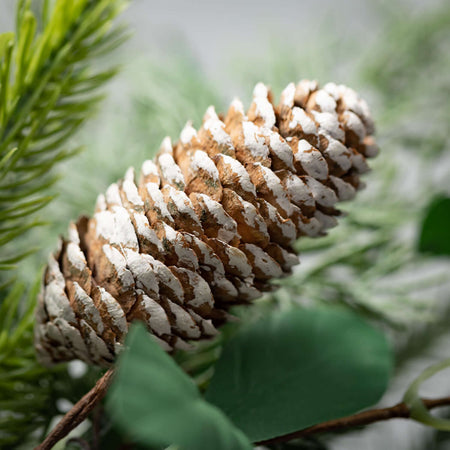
{"points": [[435, 233], [154, 401], [297, 368]]}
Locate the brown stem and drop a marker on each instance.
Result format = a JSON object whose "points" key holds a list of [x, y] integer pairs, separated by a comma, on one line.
{"points": [[78, 413], [83, 407], [401, 410]]}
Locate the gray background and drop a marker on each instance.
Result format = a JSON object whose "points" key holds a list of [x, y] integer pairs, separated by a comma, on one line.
{"points": [[216, 30]]}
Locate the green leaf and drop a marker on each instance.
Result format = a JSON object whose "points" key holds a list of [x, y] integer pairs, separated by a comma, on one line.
{"points": [[435, 233], [154, 401], [297, 368]]}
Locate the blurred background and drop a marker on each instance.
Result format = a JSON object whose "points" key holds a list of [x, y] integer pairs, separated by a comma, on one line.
{"points": [[184, 56]]}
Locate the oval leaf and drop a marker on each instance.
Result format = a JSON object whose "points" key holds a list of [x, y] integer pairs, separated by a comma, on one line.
{"points": [[435, 234], [156, 403], [299, 368]]}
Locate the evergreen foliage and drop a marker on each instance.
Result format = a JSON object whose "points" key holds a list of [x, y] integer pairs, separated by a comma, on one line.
{"points": [[48, 88], [47, 91]]}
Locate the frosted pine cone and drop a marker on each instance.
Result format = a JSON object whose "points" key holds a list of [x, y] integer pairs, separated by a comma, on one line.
{"points": [[206, 225]]}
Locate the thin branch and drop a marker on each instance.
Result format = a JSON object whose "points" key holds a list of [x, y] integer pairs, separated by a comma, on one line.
{"points": [[79, 412], [401, 410], [83, 407]]}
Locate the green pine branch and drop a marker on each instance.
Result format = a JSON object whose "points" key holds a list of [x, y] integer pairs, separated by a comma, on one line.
{"points": [[47, 91], [25, 386]]}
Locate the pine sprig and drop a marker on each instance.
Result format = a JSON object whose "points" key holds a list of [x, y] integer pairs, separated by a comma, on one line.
{"points": [[22, 398], [47, 91]]}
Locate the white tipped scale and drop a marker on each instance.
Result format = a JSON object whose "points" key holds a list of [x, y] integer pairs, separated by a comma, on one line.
{"points": [[100, 204], [325, 220], [285, 227], [158, 320], [300, 118], [236, 168], [57, 304], [201, 161], [287, 96], [119, 263], [149, 168], [207, 326], [264, 267], [345, 191], [98, 350], [263, 107], [329, 124], [129, 191], [116, 227], [366, 117], [338, 153], [87, 309], [168, 283], [237, 105], [197, 291], [273, 184], [322, 194], [210, 114], [170, 171], [353, 123], [73, 233], [188, 133], [359, 163], [184, 323], [113, 195], [216, 127], [166, 146], [247, 290], [371, 148], [130, 175], [254, 140], [182, 203], [325, 101], [311, 160], [53, 273], [299, 192], [279, 148], [333, 90], [145, 232], [73, 339], [226, 225], [157, 204], [142, 272], [304, 89], [184, 254], [116, 315], [312, 227]]}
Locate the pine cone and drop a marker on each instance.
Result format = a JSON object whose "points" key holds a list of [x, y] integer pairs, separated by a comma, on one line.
{"points": [[206, 225]]}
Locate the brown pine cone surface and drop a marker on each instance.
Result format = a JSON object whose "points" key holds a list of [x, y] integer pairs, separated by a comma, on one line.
{"points": [[206, 225]]}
